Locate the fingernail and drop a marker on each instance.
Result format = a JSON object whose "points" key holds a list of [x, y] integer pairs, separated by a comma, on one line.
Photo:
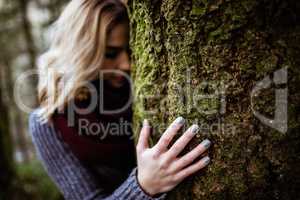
{"points": [[195, 128], [206, 160], [206, 143], [179, 120], [146, 122]]}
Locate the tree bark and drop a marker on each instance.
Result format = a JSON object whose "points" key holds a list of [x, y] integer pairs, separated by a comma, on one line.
{"points": [[203, 60]]}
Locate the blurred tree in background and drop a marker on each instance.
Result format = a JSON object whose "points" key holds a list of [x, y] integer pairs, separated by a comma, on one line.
{"points": [[6, 158], [23, 36]]}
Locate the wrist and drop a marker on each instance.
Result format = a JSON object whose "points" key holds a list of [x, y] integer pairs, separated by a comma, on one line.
{"points": [[146, 189]]}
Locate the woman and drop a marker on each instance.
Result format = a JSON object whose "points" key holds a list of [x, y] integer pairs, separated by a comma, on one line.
{"points": [[90, 37]]}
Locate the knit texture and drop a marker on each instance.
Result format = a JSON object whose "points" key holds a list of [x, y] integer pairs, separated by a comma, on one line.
{"points": [[76, 181]]}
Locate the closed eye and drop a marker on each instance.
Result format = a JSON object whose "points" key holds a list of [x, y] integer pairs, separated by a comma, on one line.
{"points": [[112, 54]]}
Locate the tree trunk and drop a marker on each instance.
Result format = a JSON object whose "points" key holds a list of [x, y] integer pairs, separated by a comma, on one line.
{"points": [[17, 124], [30, 46], [6, 155], [222, 64]]}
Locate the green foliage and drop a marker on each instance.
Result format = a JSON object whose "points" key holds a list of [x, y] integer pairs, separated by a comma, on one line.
{"points": [[33, 183]]}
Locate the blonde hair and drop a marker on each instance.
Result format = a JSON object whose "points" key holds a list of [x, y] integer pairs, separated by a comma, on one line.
{"points": [[76, 52]]}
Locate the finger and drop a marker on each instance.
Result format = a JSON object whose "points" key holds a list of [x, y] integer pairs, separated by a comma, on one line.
{"points": [[192, 155], [144, 136], [192, 169], [168, 135], [181, 143]]}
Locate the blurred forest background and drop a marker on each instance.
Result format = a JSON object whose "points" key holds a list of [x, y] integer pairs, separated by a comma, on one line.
{"points": [[23, 37]]}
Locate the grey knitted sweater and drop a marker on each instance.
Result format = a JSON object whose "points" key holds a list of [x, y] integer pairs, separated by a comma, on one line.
{"points": [[75, 181]]}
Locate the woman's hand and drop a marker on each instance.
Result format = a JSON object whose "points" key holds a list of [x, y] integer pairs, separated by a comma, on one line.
{"points": [[159, 168]]}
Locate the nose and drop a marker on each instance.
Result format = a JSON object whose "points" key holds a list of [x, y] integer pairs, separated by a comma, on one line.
{"points": [[124, 63]]}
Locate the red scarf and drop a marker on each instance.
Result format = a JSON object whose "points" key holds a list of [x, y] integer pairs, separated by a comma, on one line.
{"points": [[109, 148]]}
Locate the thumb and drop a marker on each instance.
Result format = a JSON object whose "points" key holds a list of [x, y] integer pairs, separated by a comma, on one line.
{"points": [[144, 135]]}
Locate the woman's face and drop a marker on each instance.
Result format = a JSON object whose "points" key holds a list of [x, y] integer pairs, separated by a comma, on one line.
{"points": [[117, 56]]}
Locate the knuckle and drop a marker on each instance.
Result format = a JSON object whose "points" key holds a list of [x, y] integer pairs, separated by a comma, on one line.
{"points": [[174, 180], [193, 155], [186, 137], [198, 152], [202, 164], [174, 166], [185, 173], [190, 135], [186, 160], [165, 140], [200, 148], [155, 154], [176, 148], [178, 177], [169, 172], [199, 166], [163, 165]]}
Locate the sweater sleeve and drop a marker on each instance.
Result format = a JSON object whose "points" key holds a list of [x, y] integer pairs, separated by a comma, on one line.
{"points": [[73, 179]]}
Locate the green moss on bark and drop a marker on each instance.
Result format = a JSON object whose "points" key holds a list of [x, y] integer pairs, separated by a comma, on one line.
{"points": [[185, 49]]}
